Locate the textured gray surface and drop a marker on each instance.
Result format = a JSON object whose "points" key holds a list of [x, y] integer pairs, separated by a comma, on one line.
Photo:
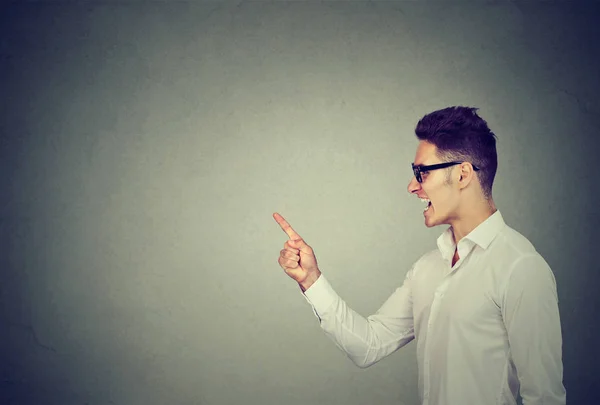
{"points": [[146, 145]]}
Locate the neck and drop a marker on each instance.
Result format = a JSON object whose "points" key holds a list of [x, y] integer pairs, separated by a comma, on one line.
{"points": [[470, 216]]}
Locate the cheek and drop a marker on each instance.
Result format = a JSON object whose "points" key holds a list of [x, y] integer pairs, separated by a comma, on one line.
{"points": [[449, 200], [442, 199]]}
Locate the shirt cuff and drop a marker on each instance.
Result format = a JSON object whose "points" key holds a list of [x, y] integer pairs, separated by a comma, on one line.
{"points": [[320, 295]]}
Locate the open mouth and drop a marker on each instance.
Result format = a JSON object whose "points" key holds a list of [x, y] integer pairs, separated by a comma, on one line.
{"points": [[427, 203]]}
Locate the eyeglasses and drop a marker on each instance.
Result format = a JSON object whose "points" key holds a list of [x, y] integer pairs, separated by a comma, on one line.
{"points": [[417, 170]]}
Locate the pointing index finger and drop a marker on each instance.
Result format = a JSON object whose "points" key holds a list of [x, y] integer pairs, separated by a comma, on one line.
{"points": [[286, 227]]}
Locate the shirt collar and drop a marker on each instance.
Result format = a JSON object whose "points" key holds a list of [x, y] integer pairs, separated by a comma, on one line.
{"points": [[482, 235]]}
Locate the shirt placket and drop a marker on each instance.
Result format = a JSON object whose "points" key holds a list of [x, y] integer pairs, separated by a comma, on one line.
{"points": [[435, 308]]}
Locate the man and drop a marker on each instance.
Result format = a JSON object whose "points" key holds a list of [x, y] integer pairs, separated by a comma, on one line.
{"points": [[482, 307]]}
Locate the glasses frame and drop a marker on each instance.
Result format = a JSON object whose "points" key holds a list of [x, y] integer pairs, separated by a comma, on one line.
{"points": [[418, 169]]}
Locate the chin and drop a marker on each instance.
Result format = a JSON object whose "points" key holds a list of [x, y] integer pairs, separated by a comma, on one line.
{"points": [[431, 222]]}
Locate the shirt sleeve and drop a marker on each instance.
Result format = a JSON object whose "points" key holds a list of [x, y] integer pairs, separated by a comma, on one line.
{"points": [[531, 316], [365, 341]]}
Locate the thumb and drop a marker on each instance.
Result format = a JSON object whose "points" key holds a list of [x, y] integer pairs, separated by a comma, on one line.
{"points": [[297, 243], [301, 246]]}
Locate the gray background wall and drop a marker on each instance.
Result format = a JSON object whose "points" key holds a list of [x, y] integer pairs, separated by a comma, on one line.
{"points": [[145, 146]]}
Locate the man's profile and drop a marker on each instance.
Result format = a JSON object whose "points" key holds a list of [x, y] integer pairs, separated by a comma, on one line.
{"points": [[482, 307]]}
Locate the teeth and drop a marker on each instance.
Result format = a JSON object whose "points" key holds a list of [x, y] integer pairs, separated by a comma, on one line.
{"points": [[426, 201]]}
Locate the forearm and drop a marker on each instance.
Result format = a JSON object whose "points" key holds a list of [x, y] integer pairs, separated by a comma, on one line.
{"points": [[364, 340]]}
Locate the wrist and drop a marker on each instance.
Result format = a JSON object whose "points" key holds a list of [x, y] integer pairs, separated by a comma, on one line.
{"points": [[309, 280]]}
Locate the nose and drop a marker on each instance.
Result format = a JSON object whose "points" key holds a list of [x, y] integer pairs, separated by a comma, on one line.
{"points": [[414, 185]]}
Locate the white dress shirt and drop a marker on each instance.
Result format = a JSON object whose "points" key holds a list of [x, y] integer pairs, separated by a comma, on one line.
{"points": [[486, 329]]}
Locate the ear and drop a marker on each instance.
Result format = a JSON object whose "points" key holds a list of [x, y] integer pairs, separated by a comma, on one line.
{"points": [[466, 175]]}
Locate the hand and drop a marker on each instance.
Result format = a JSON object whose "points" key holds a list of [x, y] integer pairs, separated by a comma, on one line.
{"points": [[297, 258]]}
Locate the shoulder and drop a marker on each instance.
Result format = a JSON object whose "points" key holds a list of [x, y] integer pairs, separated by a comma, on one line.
{"points": [[431, 257], [523, 266], [430, 260], [511, 251], [511, 241]]}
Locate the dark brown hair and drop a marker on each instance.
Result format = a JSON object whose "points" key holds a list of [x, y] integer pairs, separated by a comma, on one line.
{"points": [[459, 134]]}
